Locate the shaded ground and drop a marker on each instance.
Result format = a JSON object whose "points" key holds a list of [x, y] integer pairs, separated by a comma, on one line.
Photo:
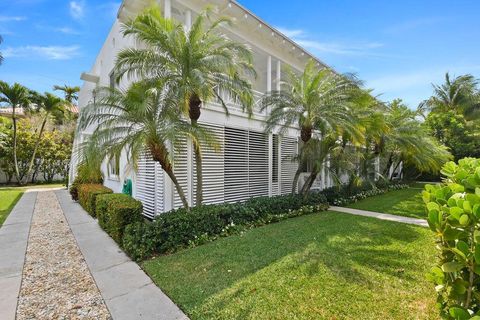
{"points": [[323, 266], [405, 202]]}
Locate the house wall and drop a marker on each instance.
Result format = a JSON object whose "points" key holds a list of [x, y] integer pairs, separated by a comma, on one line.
{"points": [[245, 166]]}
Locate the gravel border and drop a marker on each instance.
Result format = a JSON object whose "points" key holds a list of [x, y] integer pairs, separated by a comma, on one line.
{"points": [[56, 282]]}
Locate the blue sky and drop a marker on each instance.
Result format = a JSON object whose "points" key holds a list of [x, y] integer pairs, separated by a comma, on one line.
{"points": [[398, 47]]}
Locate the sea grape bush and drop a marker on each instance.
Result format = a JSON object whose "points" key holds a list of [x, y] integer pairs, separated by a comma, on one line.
{"points": [[454, 216]]}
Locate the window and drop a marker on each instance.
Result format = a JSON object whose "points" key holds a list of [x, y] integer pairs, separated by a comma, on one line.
{"points": [[114, 166], [275, 158], [112, 80]]}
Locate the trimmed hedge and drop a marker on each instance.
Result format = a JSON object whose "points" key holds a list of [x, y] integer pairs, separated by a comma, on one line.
{"points": [[87, 194], [116, 211], [182, 228]]}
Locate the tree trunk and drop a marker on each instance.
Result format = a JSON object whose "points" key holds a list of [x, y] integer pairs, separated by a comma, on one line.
{"points": [[198, 172], [194, 111], [15, 161], [178, 187], [160, 154], [308, 184], [295, 178], [389, 164], [35, 149]]}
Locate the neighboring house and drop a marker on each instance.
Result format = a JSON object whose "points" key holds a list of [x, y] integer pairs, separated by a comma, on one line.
{"points": [[251, 163]]}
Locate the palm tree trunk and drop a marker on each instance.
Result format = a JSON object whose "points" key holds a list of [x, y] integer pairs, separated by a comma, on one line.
{"points": [[198, 172], [180, 192], [309, 183], [15, 160], [295, 178], [159, 154], [194, 113], [35, 149]]}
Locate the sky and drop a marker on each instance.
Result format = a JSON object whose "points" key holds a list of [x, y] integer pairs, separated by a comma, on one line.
{"points": [[398, 47]]}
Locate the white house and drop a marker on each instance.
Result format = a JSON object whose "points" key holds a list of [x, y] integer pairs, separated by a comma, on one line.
{"points": [[251, 163]]}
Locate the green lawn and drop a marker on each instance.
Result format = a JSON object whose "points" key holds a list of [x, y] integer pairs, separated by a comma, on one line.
{"points": [[8, 198], [322, 266], [405, 202]]}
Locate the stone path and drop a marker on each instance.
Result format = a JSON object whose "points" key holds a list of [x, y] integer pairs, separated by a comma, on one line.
{"points": [[382, 216], [72, 269], [56, 282]]}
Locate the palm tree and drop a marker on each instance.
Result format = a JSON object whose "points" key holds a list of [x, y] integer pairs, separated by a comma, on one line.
{"points": [[196, 64], [141, 118], [407, 140], [460, 94], [318, 100], [15, 96], [49, 104], [70, 93]]}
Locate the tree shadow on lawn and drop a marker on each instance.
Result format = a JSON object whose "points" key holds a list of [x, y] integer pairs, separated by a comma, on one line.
{"points": [[349, 247]]}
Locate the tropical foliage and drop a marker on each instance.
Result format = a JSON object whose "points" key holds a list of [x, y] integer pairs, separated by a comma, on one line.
{"points": [[454, 215], [141, 118], [453, 115], [197, 63], [51, 160]]}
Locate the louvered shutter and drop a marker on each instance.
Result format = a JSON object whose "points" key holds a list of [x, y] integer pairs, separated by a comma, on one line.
{"points": [[236, 165], [150, 186], [288, 151], [212, 169], [257, 164], [180, 168]]}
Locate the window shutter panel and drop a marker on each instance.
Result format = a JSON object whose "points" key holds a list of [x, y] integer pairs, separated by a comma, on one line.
{"points": [[288, 167], [149, 185]]}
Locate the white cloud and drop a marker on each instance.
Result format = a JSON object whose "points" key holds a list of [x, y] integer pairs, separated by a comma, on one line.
{"points": [[67, 30], [410, 25], [305, 40], [77, 9], [42, 52], [11, 18]]}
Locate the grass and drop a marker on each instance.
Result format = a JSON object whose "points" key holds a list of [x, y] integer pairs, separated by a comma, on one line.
{"points": [[322, 266], [8, 198], [405, 202]]}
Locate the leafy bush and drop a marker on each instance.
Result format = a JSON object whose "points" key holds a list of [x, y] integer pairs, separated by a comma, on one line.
{"points": [[87, 194], [115, 212], [182, 228], [454, 216]]}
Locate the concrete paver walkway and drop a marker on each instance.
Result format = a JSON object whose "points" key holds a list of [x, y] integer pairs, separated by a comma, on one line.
{"points": [[126, 290], [13, 245], [382, 216]]}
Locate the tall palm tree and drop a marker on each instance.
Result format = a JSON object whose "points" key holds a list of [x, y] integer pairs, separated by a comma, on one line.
{"points": [[143, 117], [70, 93], [460, 94], [48, 104], [318, 99], [196, 63], [14, 96]]}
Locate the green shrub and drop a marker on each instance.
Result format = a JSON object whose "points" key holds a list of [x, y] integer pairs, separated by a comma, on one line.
{"points": [[87, 194], [183, 228], [116, 211], [86, 174], [454, 215]]}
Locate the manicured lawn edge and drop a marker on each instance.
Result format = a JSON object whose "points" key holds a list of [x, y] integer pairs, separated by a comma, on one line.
{"points": [[8, 203]]}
